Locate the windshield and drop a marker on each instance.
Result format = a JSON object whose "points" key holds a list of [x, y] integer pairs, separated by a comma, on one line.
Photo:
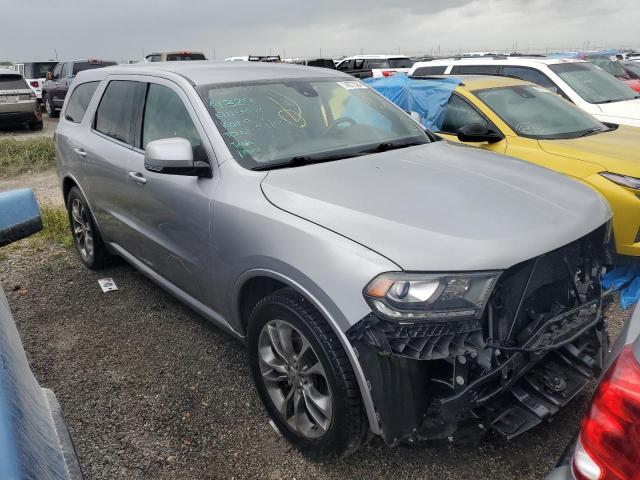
{"points": [[12, 82], [40, 69], [608, 65], [180, 57], [268, 123], [535, 112], [633, 66], [593, 84], [80, 66]]}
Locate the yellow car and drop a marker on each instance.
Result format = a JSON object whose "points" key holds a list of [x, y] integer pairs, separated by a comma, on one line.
{"points": [[528, 122]]}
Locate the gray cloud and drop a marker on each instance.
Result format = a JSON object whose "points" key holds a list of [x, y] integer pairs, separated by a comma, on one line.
{"points": [[124, 29]]}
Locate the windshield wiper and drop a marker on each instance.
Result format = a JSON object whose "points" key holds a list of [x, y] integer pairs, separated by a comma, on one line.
{"points": [[386, 146], [590, 131], [300, 160]]}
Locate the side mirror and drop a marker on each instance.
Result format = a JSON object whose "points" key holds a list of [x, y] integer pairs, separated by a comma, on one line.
{"points": [[173, 156], [478, 132], [415, 116], [19, 215], [49, 76]]}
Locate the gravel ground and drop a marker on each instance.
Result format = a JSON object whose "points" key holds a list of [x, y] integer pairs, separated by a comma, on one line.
{"points": [[22, 133], [151, 390]]}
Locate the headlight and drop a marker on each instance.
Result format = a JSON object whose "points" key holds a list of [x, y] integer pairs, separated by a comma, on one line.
{"points": [[430, 296], [629, 182]]}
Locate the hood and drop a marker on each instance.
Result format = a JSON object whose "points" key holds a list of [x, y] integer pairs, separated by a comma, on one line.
{"points": [[617, 151], [441, 206], [629, 109]]}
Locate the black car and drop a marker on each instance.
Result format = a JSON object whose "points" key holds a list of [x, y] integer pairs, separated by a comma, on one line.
{"points": [[58, 81]]}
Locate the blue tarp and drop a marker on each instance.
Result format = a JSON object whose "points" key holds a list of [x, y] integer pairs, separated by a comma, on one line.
{"points": [[600, 53], [427, 97], [626, 279]]}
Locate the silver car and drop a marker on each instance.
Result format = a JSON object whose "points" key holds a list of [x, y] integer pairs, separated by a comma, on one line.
{"points": [[383, 281], [18, 103]]}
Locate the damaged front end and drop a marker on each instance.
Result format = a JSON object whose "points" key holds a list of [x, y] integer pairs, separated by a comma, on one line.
{"points": [[492, 350]]}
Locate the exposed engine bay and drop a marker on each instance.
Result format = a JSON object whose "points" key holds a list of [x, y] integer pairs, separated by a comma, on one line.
{"points": [[538, 342]]}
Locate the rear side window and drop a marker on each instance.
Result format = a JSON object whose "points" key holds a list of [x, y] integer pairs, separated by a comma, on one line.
{"points": [[154, 58], [530, 75], [117, 108], [79, 101], [475, 70], [12, 82], [165, 116], [358, 64], [426, 71]]}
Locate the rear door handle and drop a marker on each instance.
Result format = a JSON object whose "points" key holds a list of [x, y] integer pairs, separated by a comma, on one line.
{"points": [[80, 152], [137, 177]]}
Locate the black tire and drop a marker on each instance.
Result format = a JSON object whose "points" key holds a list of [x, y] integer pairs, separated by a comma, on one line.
{"points": [[96, 257], [36, 126], [50, 109], [348, 427]]}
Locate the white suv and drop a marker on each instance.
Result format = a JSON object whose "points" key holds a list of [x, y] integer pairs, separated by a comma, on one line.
{"points": [[589, 87]]}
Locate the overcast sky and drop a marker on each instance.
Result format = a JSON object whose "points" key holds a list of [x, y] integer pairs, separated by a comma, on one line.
{"points": [[124, 29]]}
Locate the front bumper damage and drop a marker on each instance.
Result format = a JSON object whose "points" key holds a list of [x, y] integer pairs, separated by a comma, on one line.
{"points": [[540, 340]]}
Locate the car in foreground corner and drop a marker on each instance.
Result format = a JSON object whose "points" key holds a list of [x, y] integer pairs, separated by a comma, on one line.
{"points": [[608, 446], [35, 442], [521, 119], [383, 281], [18, 103]]}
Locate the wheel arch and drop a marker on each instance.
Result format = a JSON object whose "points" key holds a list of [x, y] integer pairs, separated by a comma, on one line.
{"points": [[257, 283]]}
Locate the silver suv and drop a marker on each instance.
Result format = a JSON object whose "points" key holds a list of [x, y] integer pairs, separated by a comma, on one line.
{"points": [[18, 104], [383, 281]]}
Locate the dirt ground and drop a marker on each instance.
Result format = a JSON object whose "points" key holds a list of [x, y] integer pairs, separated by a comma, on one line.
{"points": [[150, 390]]}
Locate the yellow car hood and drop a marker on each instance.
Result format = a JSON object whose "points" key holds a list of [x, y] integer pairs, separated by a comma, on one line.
{"points": [[616, 151]]}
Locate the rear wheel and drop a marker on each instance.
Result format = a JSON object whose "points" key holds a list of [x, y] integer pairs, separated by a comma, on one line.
{"points": [[304, 377], [86, 236], [51, 110], [36, 125]]}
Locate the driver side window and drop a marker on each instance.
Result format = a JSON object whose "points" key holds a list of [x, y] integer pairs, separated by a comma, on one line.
{"points": [[165, 116], [56, 71], [459, 113]]}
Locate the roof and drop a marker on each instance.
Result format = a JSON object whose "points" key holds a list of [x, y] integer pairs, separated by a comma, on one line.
{"points": [[8, 71], [479, 82], [202, 72], [375, 57], [525, 61]]}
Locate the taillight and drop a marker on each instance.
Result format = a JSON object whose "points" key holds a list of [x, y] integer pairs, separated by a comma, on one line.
{"points": [[34, 83], [388, 73], [609, 444]]}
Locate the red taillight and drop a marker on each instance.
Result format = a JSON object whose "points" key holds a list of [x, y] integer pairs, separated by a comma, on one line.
{"points": [[388, 73], [35, 84], [609, 445]]}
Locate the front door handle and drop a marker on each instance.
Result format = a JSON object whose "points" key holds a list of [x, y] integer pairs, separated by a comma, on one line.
{"points": [[80, 152], [137, 177]]}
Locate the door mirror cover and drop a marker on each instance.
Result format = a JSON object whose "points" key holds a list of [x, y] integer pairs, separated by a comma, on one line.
{"points": [[19, 215], [173, 156], [478, 132]]}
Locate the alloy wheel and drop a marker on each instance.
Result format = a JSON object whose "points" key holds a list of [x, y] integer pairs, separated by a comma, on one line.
{"points": [[295, 379], [82, 231]]}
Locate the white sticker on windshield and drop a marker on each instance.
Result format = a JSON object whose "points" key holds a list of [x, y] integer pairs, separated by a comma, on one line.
{"points": [[542, 89], [351, 85]]}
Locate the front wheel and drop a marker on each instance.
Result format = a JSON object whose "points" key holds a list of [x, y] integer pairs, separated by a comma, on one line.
{"points": [[51, 110], [304, 377]]}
